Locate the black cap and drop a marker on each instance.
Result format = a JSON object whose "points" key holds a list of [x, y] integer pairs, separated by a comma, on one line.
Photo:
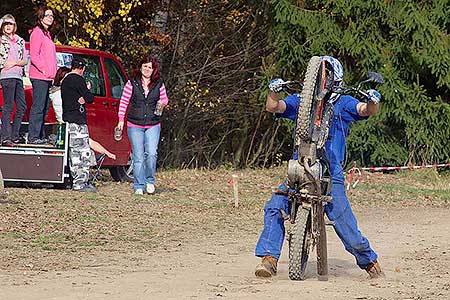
{"points": [[77, 63]]}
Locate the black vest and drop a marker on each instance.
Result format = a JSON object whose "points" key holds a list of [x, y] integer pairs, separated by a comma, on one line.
{"points": [[142, 109]]}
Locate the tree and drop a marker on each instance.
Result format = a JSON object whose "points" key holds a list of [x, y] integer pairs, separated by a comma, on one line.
{"points": [[407, 42], [217, 57], [214, 69], [210, 52]]}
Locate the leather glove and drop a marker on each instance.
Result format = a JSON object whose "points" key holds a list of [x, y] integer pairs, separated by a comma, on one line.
{"points": [[276, 85], [374, 96]]}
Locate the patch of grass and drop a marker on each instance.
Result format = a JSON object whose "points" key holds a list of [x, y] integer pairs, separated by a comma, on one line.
{"points": [[427, 177], [49, 242], [189, 204], [93, 217], [219, 204], [398, 190], [92, 243], [16, 235]]}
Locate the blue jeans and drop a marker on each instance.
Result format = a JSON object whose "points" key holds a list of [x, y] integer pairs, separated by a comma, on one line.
{"points": [[144, 152], [39, 108], [339, 211], [12, 90]]}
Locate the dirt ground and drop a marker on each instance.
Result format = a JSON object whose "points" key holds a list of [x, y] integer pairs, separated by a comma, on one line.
{"points": [[188, 242]]}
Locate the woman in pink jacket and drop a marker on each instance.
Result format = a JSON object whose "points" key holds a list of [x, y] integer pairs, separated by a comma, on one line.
{"points": [[42, 73]]}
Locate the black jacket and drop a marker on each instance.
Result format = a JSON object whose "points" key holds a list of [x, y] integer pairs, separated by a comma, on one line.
{"points": [[142, 109], [72, 88]]}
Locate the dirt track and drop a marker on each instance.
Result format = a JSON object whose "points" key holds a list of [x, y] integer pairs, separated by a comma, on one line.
{"points": [[413, 244]]}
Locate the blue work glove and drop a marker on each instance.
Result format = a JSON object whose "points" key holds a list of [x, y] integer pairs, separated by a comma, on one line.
{"points": [[374, 96], [276, 85]]}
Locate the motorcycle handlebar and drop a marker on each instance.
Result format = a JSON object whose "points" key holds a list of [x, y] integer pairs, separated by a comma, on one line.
{"points": [[345, 91], [297, 85], [292, 84]]}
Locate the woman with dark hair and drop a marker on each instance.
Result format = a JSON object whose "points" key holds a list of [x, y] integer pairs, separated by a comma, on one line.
{"points": [[55, 92], [12, 60], [144, 95], [42, 72]]}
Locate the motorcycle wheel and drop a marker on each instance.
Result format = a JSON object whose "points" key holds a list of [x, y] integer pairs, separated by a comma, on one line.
{"points": [[299, 244], [310, 108]]}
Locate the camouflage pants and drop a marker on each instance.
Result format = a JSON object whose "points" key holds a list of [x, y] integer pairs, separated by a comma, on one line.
{"points": [[80, 155]]}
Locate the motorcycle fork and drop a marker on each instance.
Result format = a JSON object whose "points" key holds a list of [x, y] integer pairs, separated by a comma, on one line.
{"points": [[318, 231], [320, 98], [321, 240]]}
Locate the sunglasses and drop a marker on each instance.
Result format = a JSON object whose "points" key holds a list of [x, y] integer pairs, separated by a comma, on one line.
{"points": [[9, 23]]}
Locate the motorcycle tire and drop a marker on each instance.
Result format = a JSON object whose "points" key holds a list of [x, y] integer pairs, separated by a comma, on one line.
{"points": [[299, 244], [313, 84]]}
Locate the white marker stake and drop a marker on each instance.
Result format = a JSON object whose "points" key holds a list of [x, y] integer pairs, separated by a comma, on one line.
{"points": [[2, 186], [235, 190]]}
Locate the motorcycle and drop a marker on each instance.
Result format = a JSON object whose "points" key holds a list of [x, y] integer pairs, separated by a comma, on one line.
{"points": [[308, 176]]}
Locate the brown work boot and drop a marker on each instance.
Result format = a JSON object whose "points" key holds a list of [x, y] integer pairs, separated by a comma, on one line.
{"points": [[374, 270], [267, 267]]}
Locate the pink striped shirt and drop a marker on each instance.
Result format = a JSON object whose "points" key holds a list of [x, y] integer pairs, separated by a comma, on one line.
{"points": [[125, 100]]}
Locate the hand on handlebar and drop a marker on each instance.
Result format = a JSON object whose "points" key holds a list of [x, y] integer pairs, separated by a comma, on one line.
{"points": [[374, 96], [276, 85]]}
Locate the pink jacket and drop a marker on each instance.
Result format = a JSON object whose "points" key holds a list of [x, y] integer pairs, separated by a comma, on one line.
{"points": [[42, 55]]}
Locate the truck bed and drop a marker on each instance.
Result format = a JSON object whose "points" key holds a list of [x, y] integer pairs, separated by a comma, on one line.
{"points": [[34, 163]]}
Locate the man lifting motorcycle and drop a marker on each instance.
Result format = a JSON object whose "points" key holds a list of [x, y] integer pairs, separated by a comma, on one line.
{"points": [[346, 109]]}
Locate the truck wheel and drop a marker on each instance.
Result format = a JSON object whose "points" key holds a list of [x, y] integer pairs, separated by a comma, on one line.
{"points": [[123, 173], [66, 185]]}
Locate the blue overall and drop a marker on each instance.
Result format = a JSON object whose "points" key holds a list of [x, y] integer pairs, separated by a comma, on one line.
{"points": [[339, 211]]}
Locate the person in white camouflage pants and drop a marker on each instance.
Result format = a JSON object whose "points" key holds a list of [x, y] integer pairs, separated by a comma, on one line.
{"points": [[80, 155], [75, 92]]}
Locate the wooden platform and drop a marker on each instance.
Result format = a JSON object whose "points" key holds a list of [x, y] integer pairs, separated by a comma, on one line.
{"points": [[50, 146], [33, 163], [34, 146]]}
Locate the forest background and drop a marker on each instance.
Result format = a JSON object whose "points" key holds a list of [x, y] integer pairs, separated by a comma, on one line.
{"points": [[217, 56]]}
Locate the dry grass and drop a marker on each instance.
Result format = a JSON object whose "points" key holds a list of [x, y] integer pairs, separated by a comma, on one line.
{"points": [[47, 229]]}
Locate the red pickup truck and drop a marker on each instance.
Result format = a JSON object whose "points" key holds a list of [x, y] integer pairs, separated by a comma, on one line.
{"points": [[107, 78]]}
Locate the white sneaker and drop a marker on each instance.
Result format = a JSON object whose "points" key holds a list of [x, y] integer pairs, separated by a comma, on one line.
{"points": [[150, 188], [139, 192]]}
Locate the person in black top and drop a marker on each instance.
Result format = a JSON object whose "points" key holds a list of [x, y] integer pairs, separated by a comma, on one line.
{"points": [[75, 92]]}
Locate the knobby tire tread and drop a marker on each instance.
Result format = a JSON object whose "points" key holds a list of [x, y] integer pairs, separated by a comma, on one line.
{"points": [[299, 245], [304, 118]]}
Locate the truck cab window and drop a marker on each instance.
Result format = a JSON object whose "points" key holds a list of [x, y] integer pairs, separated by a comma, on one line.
{"points": [[94, 75], [93, 72], [116, 78]]}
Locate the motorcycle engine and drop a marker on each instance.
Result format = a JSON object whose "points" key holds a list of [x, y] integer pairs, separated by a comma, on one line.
{"points": [[298, 174]]}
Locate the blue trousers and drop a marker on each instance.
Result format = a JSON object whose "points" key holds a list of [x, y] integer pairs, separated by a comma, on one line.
{"points": [[339, 211], [39, 108], [12, 92], [144, 151]]}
